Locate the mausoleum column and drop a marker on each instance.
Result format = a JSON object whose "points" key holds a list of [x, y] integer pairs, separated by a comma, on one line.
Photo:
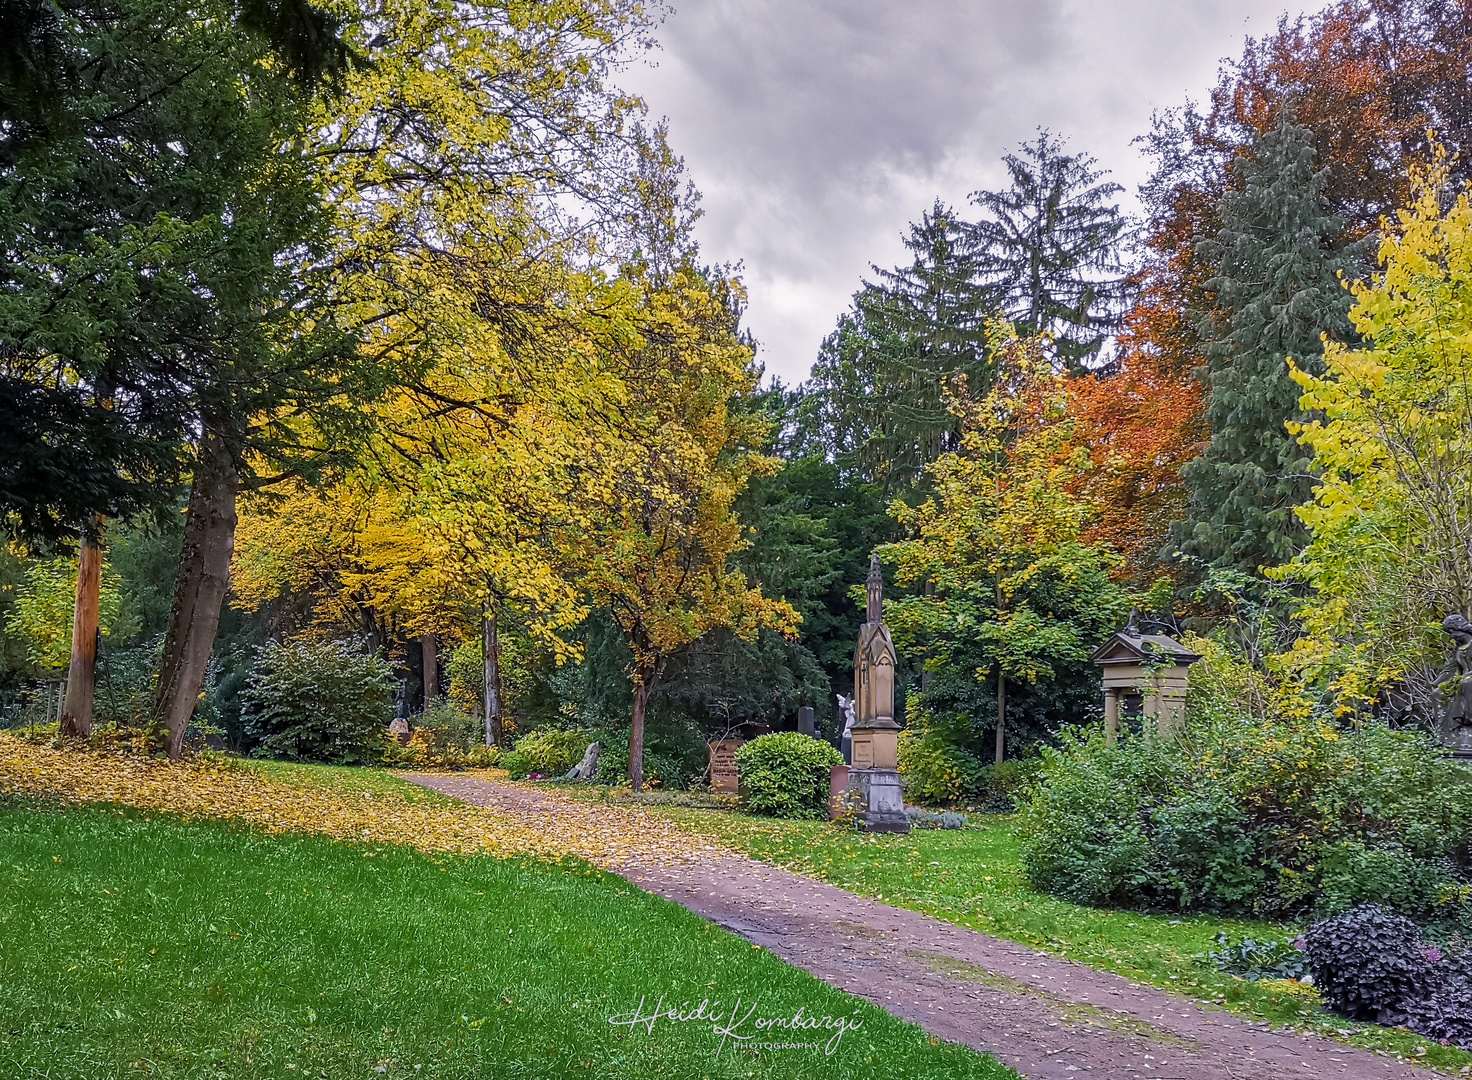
{"points": [[1111, 714]]}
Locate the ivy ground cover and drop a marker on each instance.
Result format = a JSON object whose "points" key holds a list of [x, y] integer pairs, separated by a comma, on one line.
{"points": [[136, 944]]}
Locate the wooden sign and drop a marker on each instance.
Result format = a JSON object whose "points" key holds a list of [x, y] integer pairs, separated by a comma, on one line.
{"points": [[723, 775]]}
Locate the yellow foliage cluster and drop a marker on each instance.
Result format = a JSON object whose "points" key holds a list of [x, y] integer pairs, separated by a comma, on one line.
{"points": [[1391, 432], [328, 803]]}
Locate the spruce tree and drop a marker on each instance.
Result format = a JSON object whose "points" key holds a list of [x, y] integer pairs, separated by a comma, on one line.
{"points": [[1051, 247], [1278, 257], [880, 380]]}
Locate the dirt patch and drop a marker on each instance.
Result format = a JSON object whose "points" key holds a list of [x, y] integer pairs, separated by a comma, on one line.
{"points": [[1069, 1013]]}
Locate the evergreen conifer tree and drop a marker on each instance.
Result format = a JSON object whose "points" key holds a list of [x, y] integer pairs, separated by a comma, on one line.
{"points": [[1278, 256], [879, 383], [1050, 247]]}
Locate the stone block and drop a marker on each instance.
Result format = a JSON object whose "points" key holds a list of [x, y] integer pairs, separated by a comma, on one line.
{"points": [[880, 798]]}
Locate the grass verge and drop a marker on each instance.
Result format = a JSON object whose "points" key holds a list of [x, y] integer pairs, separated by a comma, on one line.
{"points": [[134, 944]]}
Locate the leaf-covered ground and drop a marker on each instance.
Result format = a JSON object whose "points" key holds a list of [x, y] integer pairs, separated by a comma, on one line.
{"points": [[358, 804]]}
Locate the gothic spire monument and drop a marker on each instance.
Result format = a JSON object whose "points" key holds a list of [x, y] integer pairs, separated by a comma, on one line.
{"points": [[874, 662], [874, 781]]}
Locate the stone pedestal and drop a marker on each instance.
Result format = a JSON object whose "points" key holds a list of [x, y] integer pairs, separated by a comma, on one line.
{"points": [[876, 747], [880, 798], [874, 781], [837, 789]]}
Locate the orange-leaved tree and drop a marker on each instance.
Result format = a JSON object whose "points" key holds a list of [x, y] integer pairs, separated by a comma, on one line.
{"points": [[1368, 79], [1140, 425]]}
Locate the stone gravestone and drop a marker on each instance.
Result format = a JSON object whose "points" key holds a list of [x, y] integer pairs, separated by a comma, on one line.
{"points": [[723, 776], [398, 729], [586, 769], [807, 721], [1455, 730]]}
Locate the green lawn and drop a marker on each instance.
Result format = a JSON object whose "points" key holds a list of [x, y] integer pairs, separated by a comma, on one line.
{"points": [[133, 945], [346, 780], [973, 877]]}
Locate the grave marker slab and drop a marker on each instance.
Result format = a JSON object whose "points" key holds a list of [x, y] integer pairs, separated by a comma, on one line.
{"points": [[723, 775]]}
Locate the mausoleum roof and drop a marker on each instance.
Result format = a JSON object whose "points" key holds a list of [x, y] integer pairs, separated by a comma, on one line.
{"points": [[1127, 648]]}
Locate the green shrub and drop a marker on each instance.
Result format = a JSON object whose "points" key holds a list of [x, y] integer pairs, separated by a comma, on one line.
{"points": [[458, 724], [441, 748], [786, 774], [1084, 832], [1254, 960], [1238, 814], [1349, 873], [1008, 784], [481, 756], [318, 701], [1205, 855], [660, 770], [445, 736], [547, 753], [937, 771]]}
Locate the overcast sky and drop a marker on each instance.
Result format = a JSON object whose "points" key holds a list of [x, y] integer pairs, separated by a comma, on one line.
{"points": [[817, 129]]}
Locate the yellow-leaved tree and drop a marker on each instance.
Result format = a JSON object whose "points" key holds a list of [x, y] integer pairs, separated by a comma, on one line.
{"points": [[1008, 596], [467, 129], [446, 519], [658, 558], [1391, 517], [341, 557]]}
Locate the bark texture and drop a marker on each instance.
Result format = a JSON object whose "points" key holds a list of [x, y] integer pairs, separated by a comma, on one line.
{"points": [[636, 737], [199, 591], [1001, 716], [495, 729], [81, 679], [644, 681], [430, 654]]}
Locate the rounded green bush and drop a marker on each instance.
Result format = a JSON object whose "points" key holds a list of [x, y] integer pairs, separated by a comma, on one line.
{"points": [[548, 753], [318, 701], [785, 774]]}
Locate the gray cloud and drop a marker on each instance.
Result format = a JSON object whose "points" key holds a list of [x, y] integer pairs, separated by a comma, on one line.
{"points": [[807, 94], [818, 130]]}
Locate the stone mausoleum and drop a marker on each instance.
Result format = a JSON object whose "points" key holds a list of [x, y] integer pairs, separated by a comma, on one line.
{"points": [[1144, 677]]}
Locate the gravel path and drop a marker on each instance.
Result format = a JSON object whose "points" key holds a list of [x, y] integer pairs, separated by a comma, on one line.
{"points": [[1046, 1017]]}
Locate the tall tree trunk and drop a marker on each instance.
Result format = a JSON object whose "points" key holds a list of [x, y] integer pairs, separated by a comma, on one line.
{"points": [[642, 686], [199, 591], [495, 729], [81, 679], [1001, 715], [645, 680], [429, 652], [928, 589]]}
